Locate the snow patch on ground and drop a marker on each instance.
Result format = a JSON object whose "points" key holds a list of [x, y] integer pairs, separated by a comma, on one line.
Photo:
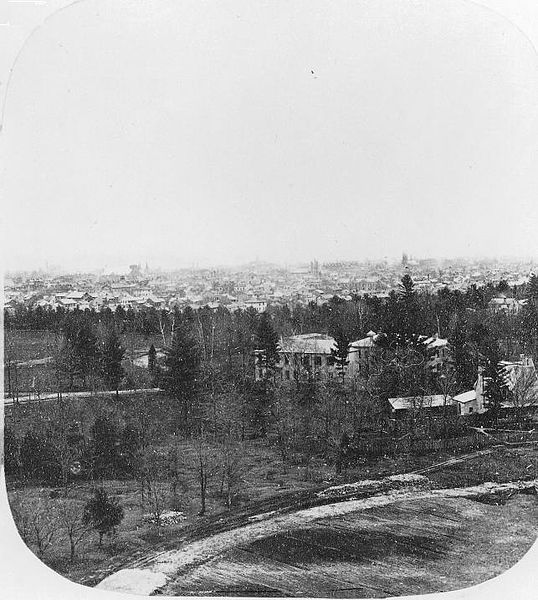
{"points": [[263, 516], [170, 517], [335, 491], [169, 564], [490, 488], [133, 581], [408, 478], [373, 485]]}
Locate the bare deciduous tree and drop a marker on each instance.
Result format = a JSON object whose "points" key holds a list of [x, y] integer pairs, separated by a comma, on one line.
{"points": [[206, 466], [156, 499], [70, 518], [232, 468], [523, 385], [36, 522]]}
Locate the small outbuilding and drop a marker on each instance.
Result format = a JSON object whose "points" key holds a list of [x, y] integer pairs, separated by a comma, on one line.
{"points": [[436, 404]]}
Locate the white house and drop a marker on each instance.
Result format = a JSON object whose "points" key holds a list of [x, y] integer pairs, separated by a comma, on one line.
{"points": [[307, 355], [503, 303], [258, 305], [470, 402], [438, 350], [363, 354]]}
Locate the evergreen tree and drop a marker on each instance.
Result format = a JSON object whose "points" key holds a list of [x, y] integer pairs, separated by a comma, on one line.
{"points": [[111, 357], [462, 359], [38, 459], [181, 377], [85, 349], [129, 448], [503, 287], [408, 312], [341, 352], [493, 382], [152, 357], [533, 290], [406, 288], [103, 513], [104, 447], [528, 329], [267, 343], [152, 364], [402, 316]]}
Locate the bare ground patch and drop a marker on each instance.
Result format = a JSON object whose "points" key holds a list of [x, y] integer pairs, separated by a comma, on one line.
{"points": [[408, 547]]}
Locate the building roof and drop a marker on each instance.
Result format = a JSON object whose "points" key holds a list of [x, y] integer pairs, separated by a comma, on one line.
{"points": [[466, 397], [503, 300], [308, 343], [417, 402], [366, 342], [435, 342], [76, 295]]}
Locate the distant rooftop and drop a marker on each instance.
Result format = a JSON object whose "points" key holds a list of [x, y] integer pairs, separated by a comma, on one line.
{"points": [[308, 343]]}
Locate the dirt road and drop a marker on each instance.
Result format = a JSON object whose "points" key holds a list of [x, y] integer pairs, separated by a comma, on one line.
{"points": [[48, 396], [199, 567]]}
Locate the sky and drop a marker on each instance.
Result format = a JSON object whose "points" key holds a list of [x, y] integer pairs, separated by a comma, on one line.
{"points": [[208, 133]]}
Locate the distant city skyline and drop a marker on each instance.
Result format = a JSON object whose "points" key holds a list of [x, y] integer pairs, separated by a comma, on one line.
{"points": [[124, 267]]}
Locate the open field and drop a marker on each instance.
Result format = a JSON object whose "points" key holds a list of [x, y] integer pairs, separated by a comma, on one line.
{"points": [[29, 344], [24, 345], [267, 486], [314, 550], [404, 548], [408, 547], [32, 352]]}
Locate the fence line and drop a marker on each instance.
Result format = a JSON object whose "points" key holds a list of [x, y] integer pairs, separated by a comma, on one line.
{"points": [[373, 448]]}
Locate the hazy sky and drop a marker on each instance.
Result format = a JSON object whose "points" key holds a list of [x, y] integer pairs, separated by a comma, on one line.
{"points": [[218, 132]]}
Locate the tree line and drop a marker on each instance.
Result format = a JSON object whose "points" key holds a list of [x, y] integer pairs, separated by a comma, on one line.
{"points": [[208, 348]]}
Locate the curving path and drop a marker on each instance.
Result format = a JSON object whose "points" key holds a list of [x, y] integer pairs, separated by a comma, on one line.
{"points": [[309, 552]]}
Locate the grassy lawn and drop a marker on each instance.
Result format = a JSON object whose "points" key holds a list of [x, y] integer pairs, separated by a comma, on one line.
{"points": [[264, 478], [22, 346], [506, 464]]}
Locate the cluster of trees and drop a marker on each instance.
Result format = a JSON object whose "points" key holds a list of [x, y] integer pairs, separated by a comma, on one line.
{"points": [[207, 350], [209, 354], [59, 452], [84, 356], [87, 352], [43, 522], [356, 316], [89, 441]]}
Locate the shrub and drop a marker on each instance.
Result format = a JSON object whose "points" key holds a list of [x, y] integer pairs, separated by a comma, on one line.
{"points": [[103, 513]]}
